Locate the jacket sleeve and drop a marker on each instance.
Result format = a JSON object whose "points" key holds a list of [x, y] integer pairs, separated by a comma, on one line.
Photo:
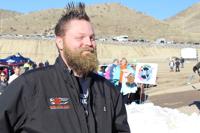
{"points": [[12, 107], [121, 123]]}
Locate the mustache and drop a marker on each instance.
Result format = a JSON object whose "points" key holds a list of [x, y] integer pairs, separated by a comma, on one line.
{"points": [[92, 50]]}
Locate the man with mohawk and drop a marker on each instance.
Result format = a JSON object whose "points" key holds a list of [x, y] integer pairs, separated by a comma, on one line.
{"points": [[67, 97]]}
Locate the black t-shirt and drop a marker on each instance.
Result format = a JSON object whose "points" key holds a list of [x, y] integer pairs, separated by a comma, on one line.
{"points": [[84, 92], [84, 84]]}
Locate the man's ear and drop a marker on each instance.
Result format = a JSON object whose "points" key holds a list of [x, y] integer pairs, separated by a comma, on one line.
{"points": [[59, 42]]}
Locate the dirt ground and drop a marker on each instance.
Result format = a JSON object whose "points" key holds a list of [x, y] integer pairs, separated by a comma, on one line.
{"points": [[172, 81], [179, 90]]}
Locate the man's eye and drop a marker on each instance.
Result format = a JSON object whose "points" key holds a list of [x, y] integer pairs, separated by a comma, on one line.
{"points": [[92, 38], [79, 38]]}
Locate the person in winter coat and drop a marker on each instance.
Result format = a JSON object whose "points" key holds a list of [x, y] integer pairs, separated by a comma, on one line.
{"points": [[109, 72], [3, 81], [196, 68], [67, 97], [177, 65]]}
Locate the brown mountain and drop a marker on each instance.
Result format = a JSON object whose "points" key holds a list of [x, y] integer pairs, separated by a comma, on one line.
{"points": [[31, 23], [115, 19], [188, 21], [108, 19], [4, 14]]}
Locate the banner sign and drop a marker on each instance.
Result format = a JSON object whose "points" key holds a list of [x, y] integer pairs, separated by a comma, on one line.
{"points": [[146, 73]]}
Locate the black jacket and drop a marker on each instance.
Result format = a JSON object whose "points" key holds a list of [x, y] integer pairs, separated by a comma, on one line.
{"points": [[2, 86], [47, 101]]}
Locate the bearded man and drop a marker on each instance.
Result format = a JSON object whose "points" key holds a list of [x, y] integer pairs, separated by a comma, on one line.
{"points": [[67, 97]]}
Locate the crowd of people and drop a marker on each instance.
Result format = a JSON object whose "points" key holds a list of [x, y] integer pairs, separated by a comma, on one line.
{"points": [[10, 73], [119, 72], [176, 63], [122, 75]]}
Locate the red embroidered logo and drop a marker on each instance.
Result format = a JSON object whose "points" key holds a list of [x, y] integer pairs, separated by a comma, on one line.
{"points": [[59, 103]]}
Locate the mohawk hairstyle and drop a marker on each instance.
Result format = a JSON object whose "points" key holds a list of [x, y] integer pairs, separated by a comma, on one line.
{"points": [[72, 12]]}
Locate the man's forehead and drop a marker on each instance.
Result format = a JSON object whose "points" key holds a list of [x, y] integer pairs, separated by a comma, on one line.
{"points": [[78, 24], [80, 32], [84, 34]]}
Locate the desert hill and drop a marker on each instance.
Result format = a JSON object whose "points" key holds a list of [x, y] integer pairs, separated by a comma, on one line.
{"points": [[108, 19], [115, 19], [31, 23], [112, 19], [188, 21], [4, 14]]}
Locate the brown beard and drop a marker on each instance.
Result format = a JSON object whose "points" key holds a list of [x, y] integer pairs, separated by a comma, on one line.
{"points": [[79, 63]]}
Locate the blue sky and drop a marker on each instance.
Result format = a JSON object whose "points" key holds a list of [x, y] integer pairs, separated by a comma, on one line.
{"points": [[159, 9]]}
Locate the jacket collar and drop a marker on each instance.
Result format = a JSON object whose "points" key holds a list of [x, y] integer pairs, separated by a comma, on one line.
{"points": [[71, 80], [67, 73], [62, 68]]}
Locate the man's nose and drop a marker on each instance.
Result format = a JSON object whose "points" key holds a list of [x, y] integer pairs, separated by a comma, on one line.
{"points": [[87, 41]]}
